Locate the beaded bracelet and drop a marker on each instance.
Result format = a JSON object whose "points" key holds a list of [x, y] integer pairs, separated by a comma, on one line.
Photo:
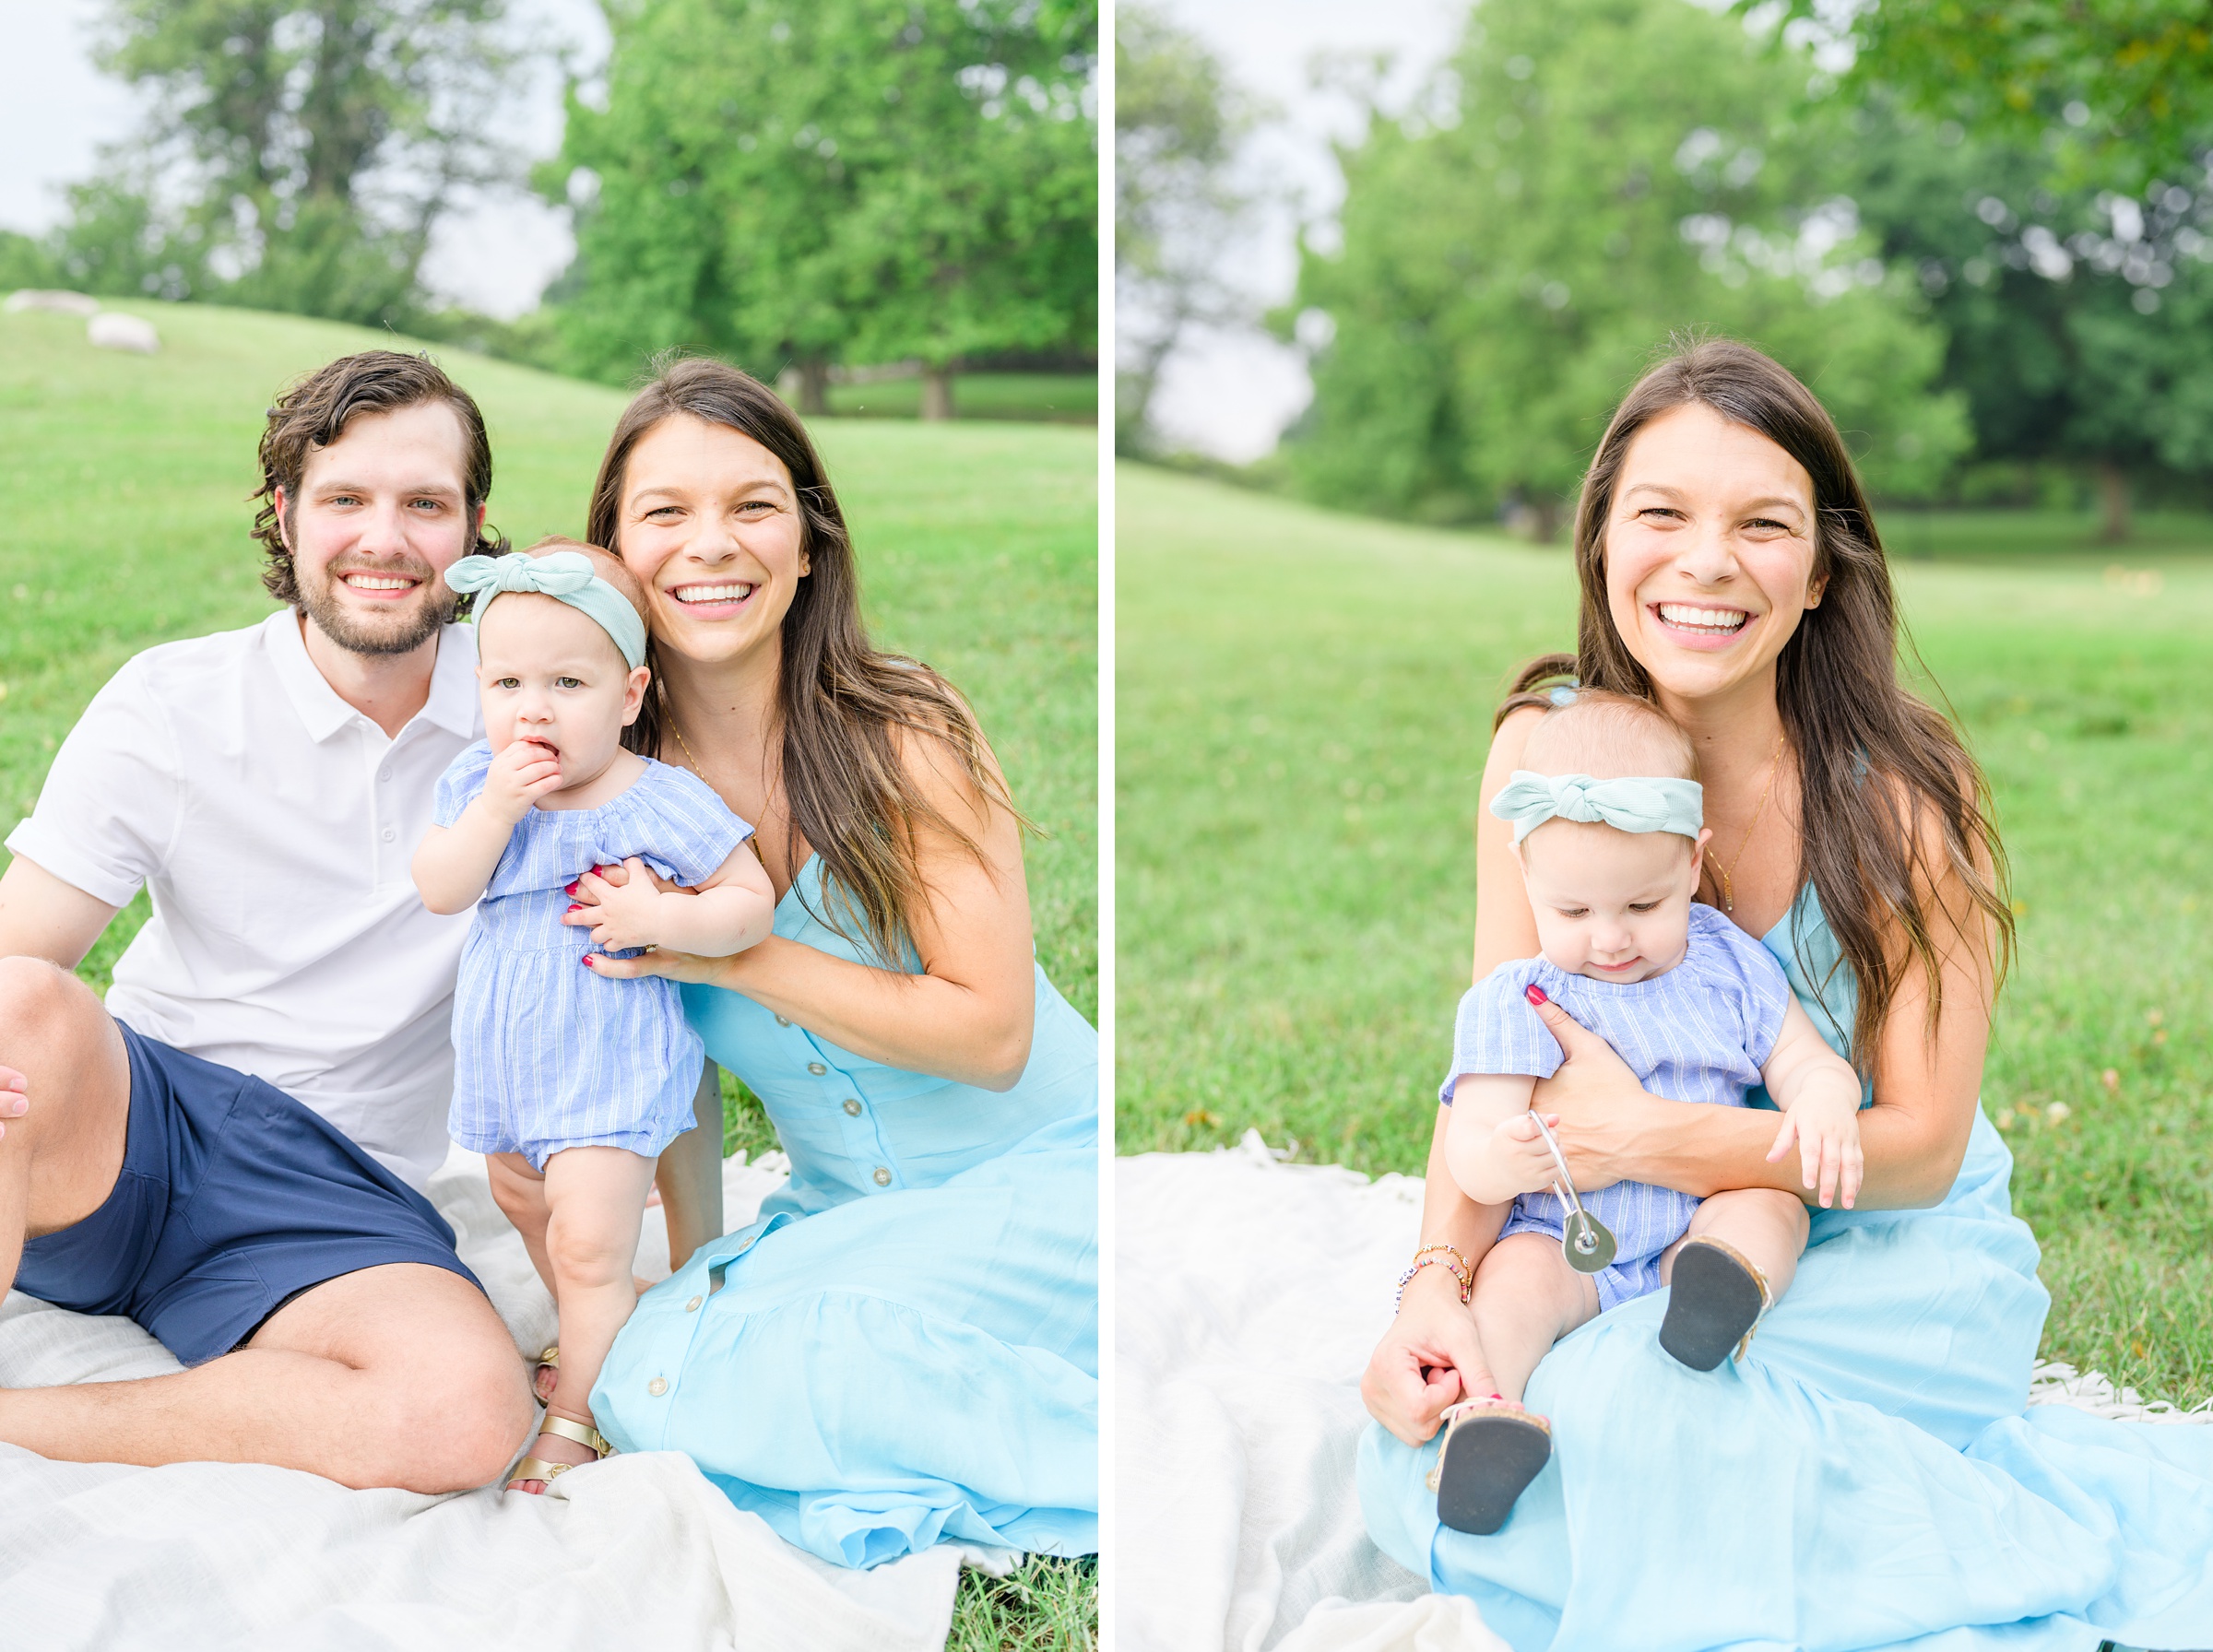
{"points": [[1445, 1254]]}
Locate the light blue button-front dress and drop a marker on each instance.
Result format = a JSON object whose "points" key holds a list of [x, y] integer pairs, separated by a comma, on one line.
{"points": [[1866, 1477], [903, 1348]]}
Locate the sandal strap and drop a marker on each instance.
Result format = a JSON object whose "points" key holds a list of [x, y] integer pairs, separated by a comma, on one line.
{"points": [[584, 1433], [548, 1355], [537, 1468]]}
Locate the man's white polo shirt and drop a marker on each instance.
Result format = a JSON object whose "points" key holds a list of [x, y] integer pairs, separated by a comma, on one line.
{"points": [[273, 825]]}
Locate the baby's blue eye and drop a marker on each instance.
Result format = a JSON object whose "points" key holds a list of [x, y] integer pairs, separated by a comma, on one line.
{"points": [[1643, 905], [508, 682], [568, 682]]}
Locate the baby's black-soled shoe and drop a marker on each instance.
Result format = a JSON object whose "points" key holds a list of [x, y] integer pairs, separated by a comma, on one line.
{"points": [[1716, 1296], [1492, 1448]]}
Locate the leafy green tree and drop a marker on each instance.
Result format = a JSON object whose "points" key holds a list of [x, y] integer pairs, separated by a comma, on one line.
{"points": [[2077, 319], [1176, 123], [809, 181], [296, 156], [2122, 90], [1609, 172]]}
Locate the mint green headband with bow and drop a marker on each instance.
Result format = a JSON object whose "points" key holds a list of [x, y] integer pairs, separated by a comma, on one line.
{"points": [[1631, 803], [565, 575]]}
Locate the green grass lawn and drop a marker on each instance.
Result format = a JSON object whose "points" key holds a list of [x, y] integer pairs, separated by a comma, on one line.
{"points": [[1303, 705], [124, 481], [1948, 536], [1056, 397]]}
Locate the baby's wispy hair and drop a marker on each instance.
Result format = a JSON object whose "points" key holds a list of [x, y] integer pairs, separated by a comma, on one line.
{"points": [[1610, 736]]}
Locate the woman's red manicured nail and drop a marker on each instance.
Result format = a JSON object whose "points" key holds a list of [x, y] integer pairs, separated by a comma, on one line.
{"points": [[572, 888], [1536, 994], [575, 907], [587, 960]]}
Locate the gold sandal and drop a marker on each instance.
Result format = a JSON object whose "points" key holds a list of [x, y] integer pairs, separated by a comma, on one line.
{"points": [[537, 1468], [548, 1359]]}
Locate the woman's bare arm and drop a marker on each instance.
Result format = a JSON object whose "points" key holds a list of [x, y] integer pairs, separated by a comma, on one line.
{"points": [[970, 1014]]}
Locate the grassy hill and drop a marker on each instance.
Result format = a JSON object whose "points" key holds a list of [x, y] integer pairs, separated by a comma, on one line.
{"points": [[124, 481], [1303, 705]]}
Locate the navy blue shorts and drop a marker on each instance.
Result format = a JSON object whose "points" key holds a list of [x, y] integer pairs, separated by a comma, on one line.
{"points": [[233, 1198]]}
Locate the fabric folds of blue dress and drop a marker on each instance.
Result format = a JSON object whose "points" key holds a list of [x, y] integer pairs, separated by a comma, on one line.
{"points": [[903, 1348], [1866, 1477]]}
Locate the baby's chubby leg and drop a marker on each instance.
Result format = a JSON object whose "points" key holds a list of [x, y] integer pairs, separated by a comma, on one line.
{"points": [[1734, 1264], [1526, 1299], [520, 1192], [1765, 1225], [595, 1199]]}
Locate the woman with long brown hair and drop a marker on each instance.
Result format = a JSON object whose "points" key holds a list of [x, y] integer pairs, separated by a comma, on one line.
{"points": [[1862, 1474], [903, 1348]]}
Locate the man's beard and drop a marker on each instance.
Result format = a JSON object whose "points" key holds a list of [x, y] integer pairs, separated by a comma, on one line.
{"points": [[401, 631]]}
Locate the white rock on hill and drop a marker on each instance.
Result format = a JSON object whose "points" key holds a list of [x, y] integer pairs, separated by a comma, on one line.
{"points": [[36, 298], [112, 330]]}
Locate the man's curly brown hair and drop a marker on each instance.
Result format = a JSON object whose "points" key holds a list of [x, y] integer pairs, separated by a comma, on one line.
{"points": [[314, 412]]}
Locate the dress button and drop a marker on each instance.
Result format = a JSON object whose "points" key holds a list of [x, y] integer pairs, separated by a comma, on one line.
{"points": [[817, 1068], [884, 1176], [853, 1107], [383, 774], [389, 834], [657, 1386], [692, 1306], [782, 1021]]}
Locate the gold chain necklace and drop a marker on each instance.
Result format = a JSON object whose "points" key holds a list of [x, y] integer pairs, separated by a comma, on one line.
{"points": [[1719, 871], [700, 768]]}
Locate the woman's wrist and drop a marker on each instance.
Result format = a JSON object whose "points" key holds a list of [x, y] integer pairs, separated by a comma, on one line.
{"points": [[1435, 1283]]}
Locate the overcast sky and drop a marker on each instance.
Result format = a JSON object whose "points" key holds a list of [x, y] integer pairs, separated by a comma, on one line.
{"points": [[1227, 394], [494, 255], [1232, 393]]}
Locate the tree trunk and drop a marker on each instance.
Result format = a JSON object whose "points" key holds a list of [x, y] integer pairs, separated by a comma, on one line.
{"points": [[1545, 517], [937, 392], [2113, 499], [814, 388]]}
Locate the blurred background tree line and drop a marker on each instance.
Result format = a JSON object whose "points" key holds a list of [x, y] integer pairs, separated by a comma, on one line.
{"points": [[1983, 231], [796, 185]]}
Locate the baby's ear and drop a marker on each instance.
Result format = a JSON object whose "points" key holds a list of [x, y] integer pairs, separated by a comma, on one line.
{"points": [[633, 694]]}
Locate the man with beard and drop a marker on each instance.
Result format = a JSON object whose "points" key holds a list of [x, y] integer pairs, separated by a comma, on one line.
{"points": [[230, 1151]]}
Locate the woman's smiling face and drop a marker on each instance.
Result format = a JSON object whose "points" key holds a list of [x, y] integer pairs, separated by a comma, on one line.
{"points": [[1708, 551], [710, 524]]}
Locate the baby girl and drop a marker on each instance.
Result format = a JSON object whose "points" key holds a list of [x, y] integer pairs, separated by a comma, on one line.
{"points": [[571, 1084], [1699, 1011]]}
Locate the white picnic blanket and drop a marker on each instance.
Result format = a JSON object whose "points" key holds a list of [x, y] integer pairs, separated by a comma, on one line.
{"points": [[1248, 1296], [640, 1552]]}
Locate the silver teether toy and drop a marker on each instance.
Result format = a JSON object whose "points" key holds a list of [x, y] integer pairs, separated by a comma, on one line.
{"points": [[1585, 1240]]}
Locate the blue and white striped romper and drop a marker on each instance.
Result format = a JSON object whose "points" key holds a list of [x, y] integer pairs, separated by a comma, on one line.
{"points": [[548, 1054], [1700, 1033]]}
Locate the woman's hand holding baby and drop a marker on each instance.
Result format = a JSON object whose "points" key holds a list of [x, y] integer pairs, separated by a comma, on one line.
{"points": [[629, 906], [1593, 1091], [624, 913]]}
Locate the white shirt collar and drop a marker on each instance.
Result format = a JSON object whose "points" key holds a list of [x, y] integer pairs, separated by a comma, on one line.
{"points": [[452, 704]]}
